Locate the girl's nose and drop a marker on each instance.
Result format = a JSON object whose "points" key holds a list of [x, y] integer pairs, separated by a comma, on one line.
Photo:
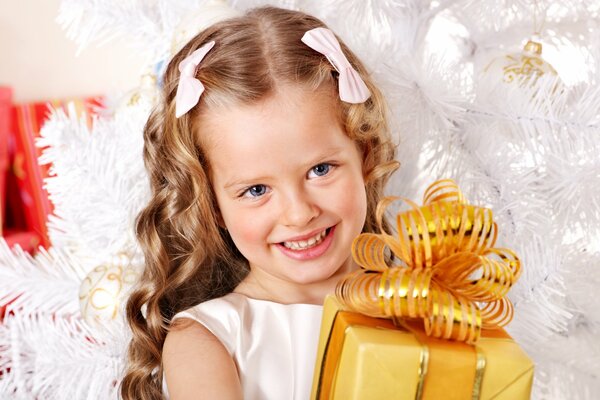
{"points": [[299, 209]]}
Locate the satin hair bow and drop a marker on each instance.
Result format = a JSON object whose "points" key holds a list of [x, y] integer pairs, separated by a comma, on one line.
{"points": [[189, 88], [352, 88]]}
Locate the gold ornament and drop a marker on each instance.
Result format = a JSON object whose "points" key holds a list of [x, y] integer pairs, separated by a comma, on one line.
{"points": [[525, 67], [448, 273], [104, 289], [147, 91]]}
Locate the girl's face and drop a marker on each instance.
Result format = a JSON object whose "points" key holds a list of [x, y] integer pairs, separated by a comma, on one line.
{"points": [[289, 185]]}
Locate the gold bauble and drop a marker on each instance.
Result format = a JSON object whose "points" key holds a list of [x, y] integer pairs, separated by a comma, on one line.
{"points": [[146, 92], [104, 289], [524, 67]]}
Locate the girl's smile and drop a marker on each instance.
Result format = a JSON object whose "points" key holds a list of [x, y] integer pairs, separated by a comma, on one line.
{"points": [[314, 247], [290, 189]]}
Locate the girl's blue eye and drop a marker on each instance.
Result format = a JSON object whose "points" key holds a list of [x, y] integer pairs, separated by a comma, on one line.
{"points": [[255, 191], [321, 169]]}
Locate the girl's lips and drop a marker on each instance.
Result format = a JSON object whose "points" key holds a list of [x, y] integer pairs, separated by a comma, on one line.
{"points": [[312, 252], [304, 237]]}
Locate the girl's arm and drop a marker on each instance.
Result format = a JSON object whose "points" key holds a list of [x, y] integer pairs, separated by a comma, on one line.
{"points": [[198, 366]]}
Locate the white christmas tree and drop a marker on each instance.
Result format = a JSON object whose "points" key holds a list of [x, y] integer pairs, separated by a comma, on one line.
{"points": [[519, 134]]}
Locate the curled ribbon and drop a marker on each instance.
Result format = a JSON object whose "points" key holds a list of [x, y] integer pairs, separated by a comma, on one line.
{"points": [[351, 86], [442, 268]]}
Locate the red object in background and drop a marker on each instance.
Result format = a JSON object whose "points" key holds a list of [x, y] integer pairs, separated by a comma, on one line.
{"points": [[14, 229], [5, 103], [27, 202], [24, 203]]}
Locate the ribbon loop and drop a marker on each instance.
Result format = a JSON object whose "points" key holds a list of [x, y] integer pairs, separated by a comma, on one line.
{"points": [[450, 276]]}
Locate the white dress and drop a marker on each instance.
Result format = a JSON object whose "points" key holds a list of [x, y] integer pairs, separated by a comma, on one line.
{"points": [[274, 345]]}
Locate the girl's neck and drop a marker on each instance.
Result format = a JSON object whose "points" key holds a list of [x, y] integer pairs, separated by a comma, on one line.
{"points": [[272, 289]]}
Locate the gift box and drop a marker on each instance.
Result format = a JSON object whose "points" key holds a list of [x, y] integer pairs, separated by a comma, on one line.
{"points": [[29, 195], [362, 357], [5, 103], [27, 240], [423, 317]]}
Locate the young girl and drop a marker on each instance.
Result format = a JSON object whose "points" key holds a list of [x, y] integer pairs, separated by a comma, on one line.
{"points": [[267, 157]]}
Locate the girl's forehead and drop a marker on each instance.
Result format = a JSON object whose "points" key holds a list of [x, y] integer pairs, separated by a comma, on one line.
{"points": [[286, 130], [290, 116]]}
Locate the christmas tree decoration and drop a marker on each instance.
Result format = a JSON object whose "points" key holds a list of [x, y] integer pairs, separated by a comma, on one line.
{"points": [[96, 171], [147, 92], [42, 312], [104, 290], [524, 67]]}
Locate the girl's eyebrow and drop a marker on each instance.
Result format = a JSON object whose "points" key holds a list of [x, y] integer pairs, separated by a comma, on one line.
{"points": [[245, 181], [330, 152]]}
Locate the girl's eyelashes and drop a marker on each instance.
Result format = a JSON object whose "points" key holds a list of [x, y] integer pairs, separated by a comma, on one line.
{"points": [[254, 191]]}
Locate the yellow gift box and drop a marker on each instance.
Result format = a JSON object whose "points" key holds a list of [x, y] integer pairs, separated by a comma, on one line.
{"points": [[362, 357]]}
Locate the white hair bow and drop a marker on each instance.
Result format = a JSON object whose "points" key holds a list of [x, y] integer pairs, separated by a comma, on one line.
{"points": [[189, 88], [352, 88]]}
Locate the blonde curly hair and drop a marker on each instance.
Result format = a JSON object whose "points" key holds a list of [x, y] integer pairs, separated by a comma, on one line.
{"points": [[189, 257]]}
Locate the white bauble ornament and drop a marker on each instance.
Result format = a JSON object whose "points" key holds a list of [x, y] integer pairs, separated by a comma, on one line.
{"points": [[146, 93], [524, 67], [104, 290]]}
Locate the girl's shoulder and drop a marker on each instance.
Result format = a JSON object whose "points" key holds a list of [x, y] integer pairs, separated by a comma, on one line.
{"points": [[257, 335], [198, 352], [222, 316], [220, 306]]}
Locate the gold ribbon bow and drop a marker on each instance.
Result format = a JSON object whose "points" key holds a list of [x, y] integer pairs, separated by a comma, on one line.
{"points": [[442, 267]]}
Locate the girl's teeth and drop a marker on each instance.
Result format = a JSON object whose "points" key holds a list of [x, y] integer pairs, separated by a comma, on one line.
{"points": [[303, 244]]}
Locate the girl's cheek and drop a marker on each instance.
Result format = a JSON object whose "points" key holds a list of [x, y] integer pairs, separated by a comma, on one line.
{"points": [[351, 197], [252, 227]]}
